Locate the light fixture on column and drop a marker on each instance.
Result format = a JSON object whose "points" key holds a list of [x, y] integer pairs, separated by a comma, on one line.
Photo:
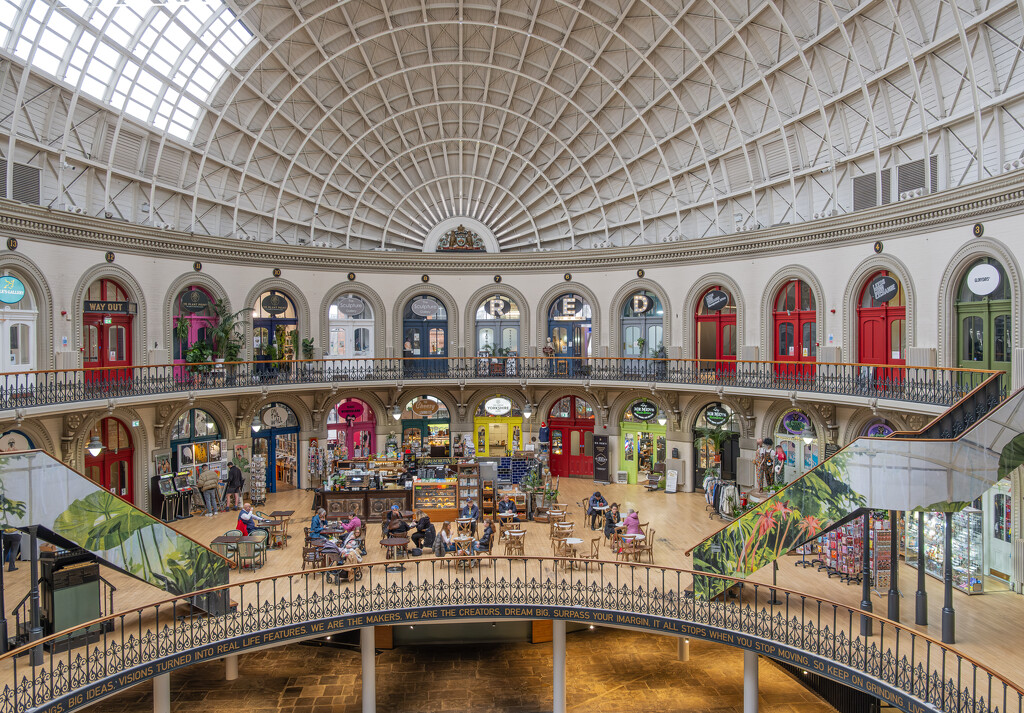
{"points": [[94, 447], [527, 410], [256, 425], [396, 412], [662, 419], [808, 440]]}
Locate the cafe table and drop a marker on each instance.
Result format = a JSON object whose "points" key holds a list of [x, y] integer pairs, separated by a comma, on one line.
{"points": [[282, 513], [394, 546], [463, 549], [464, 523]]}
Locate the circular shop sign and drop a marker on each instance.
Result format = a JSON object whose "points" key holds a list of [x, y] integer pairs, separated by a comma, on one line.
{"points": [[797, 423], [983, 279], [350, 306], [883, 288], [425, 407], [644, 410], [12, 290], [716, 301], [350, 409], [498, 406], [275, 416], [194, 301], [274, 304], [716, 414], [424, 307]]}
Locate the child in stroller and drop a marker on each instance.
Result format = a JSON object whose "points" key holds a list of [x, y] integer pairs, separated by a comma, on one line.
{"points": [[346, 553]]}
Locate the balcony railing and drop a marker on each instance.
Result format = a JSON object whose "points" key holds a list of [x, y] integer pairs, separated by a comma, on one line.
{"points": [[925, 385], [907, 669]]}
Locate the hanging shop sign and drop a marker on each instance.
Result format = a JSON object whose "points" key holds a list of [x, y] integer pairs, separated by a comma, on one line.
{"points": [[275, 416], [350, 409], [883, 288], [716, 301], [102, 307], [879, 430], [797, 423], [498, 406], [644, 410], [425, 407], [983, 279], [195, 301], [274, 304], [641, 303], [424, 307], [12, 290], [716, 414], [350, 306]]}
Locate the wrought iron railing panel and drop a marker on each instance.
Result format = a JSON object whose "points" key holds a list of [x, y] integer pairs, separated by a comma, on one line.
{"points": [[907, 669]]}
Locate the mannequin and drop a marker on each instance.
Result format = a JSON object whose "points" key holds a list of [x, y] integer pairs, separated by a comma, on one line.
{"points": [[549, 349]]}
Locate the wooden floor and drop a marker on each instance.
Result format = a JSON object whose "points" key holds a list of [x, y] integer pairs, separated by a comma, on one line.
{"points": [[988, 628]]}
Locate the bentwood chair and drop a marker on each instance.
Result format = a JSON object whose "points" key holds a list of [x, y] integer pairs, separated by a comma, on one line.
{"points": [[223, 549], [595, 549], [645, 548], [247, 553], [313, 556]]}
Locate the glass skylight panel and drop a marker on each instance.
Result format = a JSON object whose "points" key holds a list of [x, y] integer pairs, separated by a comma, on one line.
{"points": [[117, 38]]}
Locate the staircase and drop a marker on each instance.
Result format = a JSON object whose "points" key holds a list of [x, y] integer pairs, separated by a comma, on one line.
{"points": [[69, 509], [954, 459]]}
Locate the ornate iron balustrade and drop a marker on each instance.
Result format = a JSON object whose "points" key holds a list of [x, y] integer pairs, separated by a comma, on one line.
{"points": [[926, 385], [909, 670]]}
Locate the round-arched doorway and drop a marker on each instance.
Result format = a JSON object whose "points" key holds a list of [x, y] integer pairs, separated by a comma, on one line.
{"points": [[113, 467], [796, 331], [570, 426], [351, 430]]}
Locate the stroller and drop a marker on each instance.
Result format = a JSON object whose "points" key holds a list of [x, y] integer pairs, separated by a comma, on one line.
{"points": [[335, 555]]}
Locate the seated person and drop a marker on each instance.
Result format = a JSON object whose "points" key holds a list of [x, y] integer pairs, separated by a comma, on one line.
{"points": [[443, 542], [397, 527], [596, 500], [316, 527], [249, 522], [424, 535], [484, 543], [611, 519], [354, 524], [471, 511], [633, 523], [506, 506], [393, 514]]}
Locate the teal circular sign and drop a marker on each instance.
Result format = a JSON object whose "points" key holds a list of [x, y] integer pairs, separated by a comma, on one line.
{"points": [[12, 290]]}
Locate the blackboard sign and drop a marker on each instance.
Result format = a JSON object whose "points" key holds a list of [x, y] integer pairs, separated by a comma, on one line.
{"points": [[194, 301], [831, 449], [602, 460], [275, 304], [716, 415]]}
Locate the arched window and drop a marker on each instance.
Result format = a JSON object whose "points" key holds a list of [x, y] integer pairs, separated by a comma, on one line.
{"points": [[569, 332], [198, 434], [984, 316], [796, 329], [194, 318], [275, 327], [497, 327], [107, 325], [878, 428], [642, 326], [20, 315], [716, 329], [113, 467], [350, 327], [426, 427], [882, 320], [425, 336]]}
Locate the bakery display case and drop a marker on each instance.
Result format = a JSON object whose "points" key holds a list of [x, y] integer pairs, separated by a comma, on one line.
{"points": [[968, 547], [438, 498]]}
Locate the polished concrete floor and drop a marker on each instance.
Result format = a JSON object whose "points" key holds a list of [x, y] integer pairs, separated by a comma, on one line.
{"points": [[607, 671]]}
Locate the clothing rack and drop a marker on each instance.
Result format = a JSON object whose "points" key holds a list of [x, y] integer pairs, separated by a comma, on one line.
{"points": [[721, 497]]}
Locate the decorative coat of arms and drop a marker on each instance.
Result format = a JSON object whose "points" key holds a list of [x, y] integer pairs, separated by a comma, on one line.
{"points": [[460, 239]]}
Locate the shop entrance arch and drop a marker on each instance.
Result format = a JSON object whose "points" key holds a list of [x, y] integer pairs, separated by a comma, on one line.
{"points": [[425, 337], [275, 447], [108, 319], [984, 317], [796, 330], [351, 430], [570, 428], [715, 326], [569, 332], [112, 466]]}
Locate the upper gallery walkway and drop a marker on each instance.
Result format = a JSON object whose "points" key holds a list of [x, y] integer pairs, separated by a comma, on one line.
{"points": [[932, 388]]}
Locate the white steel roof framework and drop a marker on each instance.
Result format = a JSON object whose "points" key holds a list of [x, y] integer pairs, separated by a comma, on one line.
{"points": [[558, 125]]}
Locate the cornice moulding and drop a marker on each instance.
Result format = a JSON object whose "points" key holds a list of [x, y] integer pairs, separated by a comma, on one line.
{"points": [[985, 199]]}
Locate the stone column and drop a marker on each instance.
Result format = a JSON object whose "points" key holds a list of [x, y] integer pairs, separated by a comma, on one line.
{"points": [[683, 649], [558, 666], [231, 668], [162, 693], [749, 682], [369, 692]]}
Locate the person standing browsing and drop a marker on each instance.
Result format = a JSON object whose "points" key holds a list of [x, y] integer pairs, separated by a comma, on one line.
{"points": [[208, 485], [233, 488]]}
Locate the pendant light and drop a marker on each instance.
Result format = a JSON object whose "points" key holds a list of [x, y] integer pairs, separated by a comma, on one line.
{"points": [[662, 420], [396, 412], [94, 447], [527, 410], [256, 425]]}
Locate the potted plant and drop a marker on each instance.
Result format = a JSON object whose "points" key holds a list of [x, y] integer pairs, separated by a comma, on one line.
{"points": [[224, 333], [640, 342], [199, 357], [308, 348]]}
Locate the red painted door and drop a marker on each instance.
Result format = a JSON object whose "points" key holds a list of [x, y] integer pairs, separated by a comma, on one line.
{"points": [[716, 331], [580, 465], [112, 469], [881, 333], [107, 342], [795, 330], [559, 455]]}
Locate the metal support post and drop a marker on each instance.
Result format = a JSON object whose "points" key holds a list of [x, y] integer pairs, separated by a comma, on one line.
{"points": [[948, 615], [894, 563], [162, 693], [865, 574], [921, 598], [558, 666], [749, 682]]}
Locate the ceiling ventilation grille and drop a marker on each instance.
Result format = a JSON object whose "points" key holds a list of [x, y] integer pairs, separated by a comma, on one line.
{"points": [[27, 182]]}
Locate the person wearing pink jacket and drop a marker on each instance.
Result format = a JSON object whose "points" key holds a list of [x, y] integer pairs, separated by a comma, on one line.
{"points": [[633, 523]]}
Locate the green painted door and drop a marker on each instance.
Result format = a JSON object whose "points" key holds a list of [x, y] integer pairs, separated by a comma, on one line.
{"points": [[984, 334]]}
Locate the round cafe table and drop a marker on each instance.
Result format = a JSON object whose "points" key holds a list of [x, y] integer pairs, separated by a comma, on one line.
{"points": [[393, 545], [463, 549], [464, 522]]}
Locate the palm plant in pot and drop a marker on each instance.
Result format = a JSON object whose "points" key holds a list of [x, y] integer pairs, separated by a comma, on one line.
{"points": [[226, 337]]}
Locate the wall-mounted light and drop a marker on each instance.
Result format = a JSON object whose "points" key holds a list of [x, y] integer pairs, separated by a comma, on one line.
{"points": [[808, 440], [396, 412], [256, 425], [527, 410], [94, 447], [662, 419]]}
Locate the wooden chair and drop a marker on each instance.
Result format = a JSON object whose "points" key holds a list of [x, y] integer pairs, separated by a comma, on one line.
{"points": [[643, 527], [595, 549], [279, 535], [554, 520], [313, 556], [465, 528], [515, 544], [564, 529], [645, 548]]}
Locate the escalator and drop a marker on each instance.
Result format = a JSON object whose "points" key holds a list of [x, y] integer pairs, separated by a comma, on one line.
{"points": [[68, 509], [954, 459]]}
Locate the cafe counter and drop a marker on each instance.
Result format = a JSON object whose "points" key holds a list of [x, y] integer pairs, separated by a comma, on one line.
{"points": [[369, 505]]}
